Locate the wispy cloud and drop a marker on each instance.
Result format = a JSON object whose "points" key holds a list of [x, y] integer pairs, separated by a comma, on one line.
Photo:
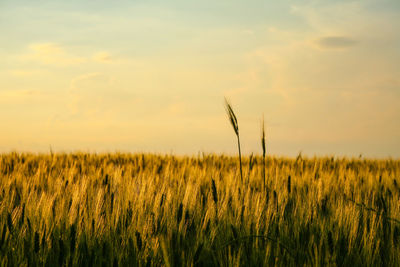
{"points": [[18, 95], [178, 108], [51, 54], [102, 57], [81, 82], [25, 72], [87, 93], [99, 96], [335, 42]]}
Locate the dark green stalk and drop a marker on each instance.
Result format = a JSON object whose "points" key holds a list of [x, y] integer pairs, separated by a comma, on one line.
{"points": [[263, 148], [240, 158]]}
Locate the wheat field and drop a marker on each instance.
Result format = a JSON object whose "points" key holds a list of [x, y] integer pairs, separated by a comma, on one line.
{"points": [[161, 210]]}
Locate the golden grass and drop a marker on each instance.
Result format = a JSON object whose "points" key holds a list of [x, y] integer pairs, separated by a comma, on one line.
{"points": [[128, 209]]}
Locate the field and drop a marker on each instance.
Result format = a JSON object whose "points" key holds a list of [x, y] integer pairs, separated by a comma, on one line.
{"points": [[163, 210]]}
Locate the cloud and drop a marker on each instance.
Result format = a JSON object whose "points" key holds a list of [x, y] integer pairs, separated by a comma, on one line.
{"points": [[87, 92], [57, 55], [102, 57], [51, 54], [18, 95], [335, 42], [177, 108], [25, 72], [85, 81], [99, 96]]}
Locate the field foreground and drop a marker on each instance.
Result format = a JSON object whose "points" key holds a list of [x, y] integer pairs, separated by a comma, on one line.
{"points": [[151, 210]]}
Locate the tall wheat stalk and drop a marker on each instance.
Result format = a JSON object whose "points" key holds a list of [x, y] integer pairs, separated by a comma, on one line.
{"points": [[233, 120], [263, 148]]}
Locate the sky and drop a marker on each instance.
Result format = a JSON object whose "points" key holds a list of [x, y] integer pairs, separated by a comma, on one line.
{"points": [[151, 76]]}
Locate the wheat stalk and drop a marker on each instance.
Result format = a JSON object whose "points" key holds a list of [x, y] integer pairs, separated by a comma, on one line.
{"points": [[263, 147], [234, 123]]}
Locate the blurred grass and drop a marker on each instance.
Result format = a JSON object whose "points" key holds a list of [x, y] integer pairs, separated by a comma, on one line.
{"points": [[153, 210]]}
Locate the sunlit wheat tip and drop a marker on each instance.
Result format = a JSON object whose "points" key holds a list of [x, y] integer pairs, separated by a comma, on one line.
{"points": [[232, 117], [263, 149], [263, 136], [234, 123]]}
